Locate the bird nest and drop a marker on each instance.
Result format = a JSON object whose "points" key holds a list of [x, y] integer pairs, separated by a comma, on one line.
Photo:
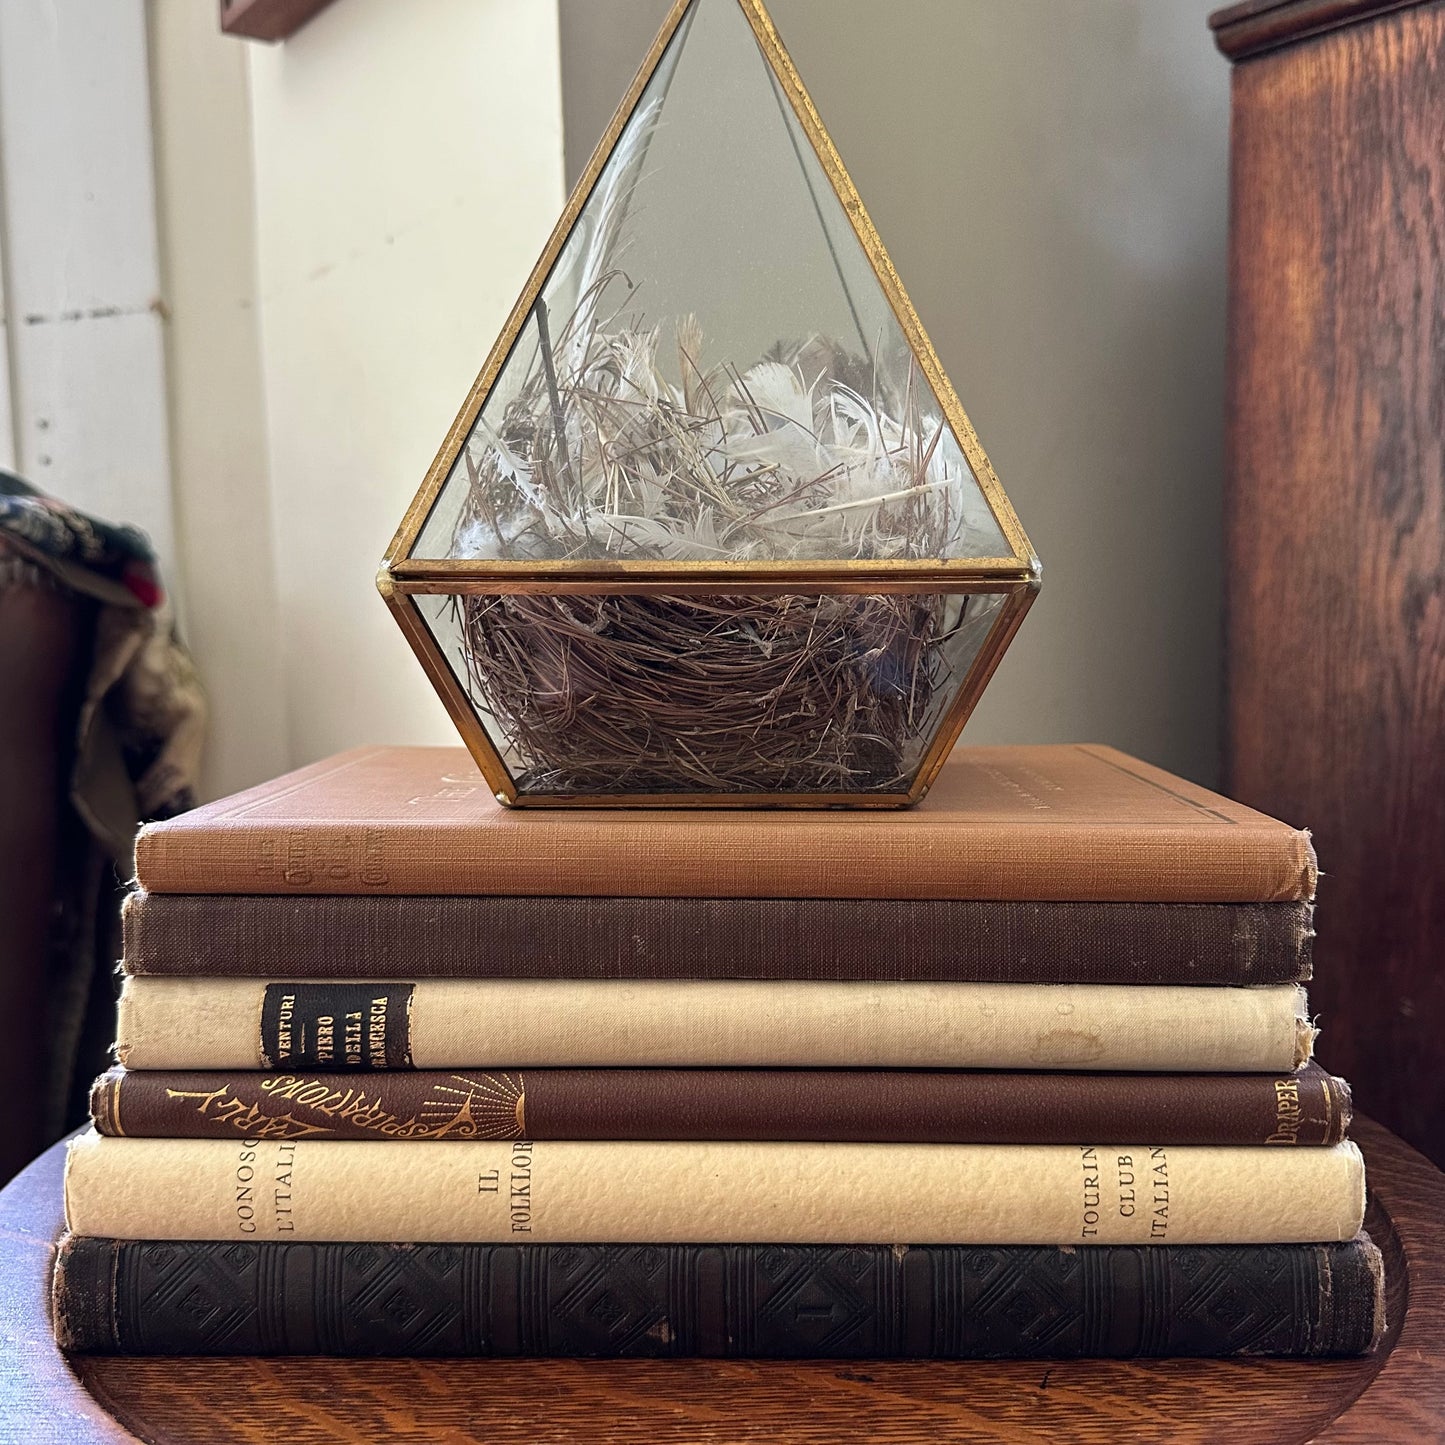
{"points": [[612, 439], [658, 694]]}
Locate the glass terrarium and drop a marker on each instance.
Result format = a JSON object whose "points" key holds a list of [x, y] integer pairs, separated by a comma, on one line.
{"points": [[712, 527]]}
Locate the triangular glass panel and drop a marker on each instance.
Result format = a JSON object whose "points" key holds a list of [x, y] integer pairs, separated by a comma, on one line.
{"points": [[712, 526], [712, 372]]}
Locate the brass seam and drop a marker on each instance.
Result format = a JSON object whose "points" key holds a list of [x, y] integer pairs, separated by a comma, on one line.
{"points": [[745, 584], [889, 280], [402, 578], [989, 656], [776, 55], [416, 514]]}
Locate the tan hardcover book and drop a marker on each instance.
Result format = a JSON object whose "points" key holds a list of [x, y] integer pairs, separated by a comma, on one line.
{"points": [[1077, 822], [446, 1023], [553, 1192]]}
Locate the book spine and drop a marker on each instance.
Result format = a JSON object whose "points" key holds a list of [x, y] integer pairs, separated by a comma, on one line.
{"points": [[900, 940], [944, 1107], [561, 1191], [116, 1296], [1246, 862], [225, 1023]]}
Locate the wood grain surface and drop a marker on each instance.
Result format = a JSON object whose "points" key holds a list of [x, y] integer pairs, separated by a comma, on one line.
{"points": [[1335, 525], [1399, 1394], [1254, 26]]}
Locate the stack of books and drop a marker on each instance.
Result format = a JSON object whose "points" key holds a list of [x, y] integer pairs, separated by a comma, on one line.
{"points": [[1024, 1071]]}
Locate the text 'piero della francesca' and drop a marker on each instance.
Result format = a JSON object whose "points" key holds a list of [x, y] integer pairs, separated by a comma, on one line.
{"points": [[712, 527]]}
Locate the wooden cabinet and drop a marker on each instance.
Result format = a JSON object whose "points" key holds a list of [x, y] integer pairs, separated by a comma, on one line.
{"points": [[1335, 498]]}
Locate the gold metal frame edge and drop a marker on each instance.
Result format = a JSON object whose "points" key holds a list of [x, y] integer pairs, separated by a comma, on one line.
{"points": [[402, 578], [416, 515], [1019, 598], [398, 553], [737, 583], [776, 54], [454, 698], [979, 676]]}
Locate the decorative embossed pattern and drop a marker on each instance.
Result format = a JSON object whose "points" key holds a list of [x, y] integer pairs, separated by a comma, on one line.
{"points": [[766, 1301]]}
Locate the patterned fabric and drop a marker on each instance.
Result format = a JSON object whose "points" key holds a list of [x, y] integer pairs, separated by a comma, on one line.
{"points": [[61, 534], [142, 721], [768, 1301]]}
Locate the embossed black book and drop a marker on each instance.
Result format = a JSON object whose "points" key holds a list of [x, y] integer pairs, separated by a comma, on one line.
{"points": [[778, 1301]]}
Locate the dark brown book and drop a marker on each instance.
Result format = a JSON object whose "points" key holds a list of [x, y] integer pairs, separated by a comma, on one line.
{"points": [[904, 939], [780, 1301], [908, 1106], [1061, 822]]}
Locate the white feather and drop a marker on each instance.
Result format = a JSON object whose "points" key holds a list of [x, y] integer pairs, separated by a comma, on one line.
{"points": [[605, 211]]}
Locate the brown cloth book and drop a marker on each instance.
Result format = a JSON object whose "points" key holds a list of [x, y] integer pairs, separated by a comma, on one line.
{"points": [[868, 1301], [898, 939], [1058, 822], [911, 1106]]}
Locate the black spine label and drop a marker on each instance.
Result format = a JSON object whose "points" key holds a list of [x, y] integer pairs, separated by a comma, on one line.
{"points": [[340, 1026]]}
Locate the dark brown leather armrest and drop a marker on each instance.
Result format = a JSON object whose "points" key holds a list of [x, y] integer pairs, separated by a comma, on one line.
{"points": [[43, 638]]}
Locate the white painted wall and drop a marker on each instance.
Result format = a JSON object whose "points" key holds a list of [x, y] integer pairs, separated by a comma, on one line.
{"points": [[347, 219], [84, 365], [1049, 176], [408, 171], [217, 414]]}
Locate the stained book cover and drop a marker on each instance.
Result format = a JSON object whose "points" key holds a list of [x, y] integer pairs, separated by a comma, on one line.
{"points": [[896, 939], [911, 1106], [1076, 822], [241, 1023], [547, 1191], [781, 1301]]}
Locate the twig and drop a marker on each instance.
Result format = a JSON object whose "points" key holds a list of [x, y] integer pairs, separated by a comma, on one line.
{"points": [[559, 421]]}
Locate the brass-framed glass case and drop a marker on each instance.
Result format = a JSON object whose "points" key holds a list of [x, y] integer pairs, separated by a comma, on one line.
{"points": [[711, 527]]}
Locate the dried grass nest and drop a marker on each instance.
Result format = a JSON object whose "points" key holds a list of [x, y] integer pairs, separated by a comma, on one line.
{"points": [[655, 694], [727, 693], [620, 441]]}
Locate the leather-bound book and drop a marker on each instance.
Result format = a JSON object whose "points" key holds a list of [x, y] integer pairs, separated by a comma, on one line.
{"points": [[785, 1301], [1070, 823]]}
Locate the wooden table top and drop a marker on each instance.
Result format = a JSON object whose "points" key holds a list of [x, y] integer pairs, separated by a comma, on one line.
{"points": [[1396, 1395]]}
